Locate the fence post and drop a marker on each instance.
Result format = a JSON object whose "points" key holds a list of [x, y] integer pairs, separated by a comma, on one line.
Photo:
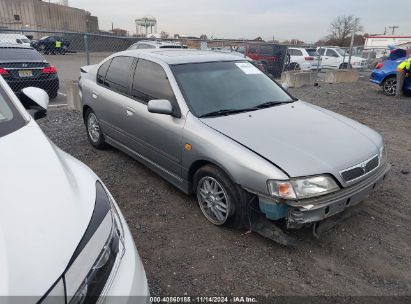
{"points": [[86, 49]]}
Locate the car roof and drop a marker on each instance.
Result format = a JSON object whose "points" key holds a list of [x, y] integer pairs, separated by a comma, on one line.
{"points": [[180, 56], [14, 46], [157, 43]]}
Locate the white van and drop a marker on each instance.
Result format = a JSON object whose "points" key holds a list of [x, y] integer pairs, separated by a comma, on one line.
{"points": [[14, 39]]}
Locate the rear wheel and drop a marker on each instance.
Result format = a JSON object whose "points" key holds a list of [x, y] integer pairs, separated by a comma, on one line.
{"points": [[94, 133], [53, 94], [389, 86], [221, 201], [345, 66], [294, 66]]}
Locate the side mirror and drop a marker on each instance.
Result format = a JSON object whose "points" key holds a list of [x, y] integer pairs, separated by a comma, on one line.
{"points": [[285, 86], [35, 101], [160, 106]]}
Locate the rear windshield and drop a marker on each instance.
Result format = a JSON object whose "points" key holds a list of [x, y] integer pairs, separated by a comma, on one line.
{"points": [[312, 52], [19, 54]]}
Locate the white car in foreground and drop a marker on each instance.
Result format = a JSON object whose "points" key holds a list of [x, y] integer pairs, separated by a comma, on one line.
{"points": [[62, 236]]}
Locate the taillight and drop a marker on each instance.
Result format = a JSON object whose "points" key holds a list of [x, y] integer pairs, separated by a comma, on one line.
{"points": [[309, 58], [379, 65], [4, 72], [49, 70]]}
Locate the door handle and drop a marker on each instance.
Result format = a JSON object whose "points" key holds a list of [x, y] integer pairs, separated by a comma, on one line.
{"points": [[129, 111], [94, 95]]}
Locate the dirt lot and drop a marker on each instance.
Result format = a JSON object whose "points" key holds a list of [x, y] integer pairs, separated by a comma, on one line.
{"points": [[369, 254]]}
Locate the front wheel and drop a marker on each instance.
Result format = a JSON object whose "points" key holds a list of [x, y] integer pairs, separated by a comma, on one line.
{"points": [[220, 200], [389, 86], [94, 133]]}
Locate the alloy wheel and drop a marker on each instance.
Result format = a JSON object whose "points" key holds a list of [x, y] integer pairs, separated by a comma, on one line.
{"points": [[213, 200], [93, 128], [390, 86]]}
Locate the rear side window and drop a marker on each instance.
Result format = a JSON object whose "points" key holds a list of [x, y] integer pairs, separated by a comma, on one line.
{"points": [[267, 50], [312, 52], [331, 53], [19, 54], [102, 71], [294, 52], [151, 82], [252, 49], [118, 74]]}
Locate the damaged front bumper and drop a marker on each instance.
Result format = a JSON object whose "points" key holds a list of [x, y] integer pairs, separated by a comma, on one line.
{"points": [[317, 209]]}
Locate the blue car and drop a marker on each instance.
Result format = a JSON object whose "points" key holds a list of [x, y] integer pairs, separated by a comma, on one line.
{"points": [[385, 76]]}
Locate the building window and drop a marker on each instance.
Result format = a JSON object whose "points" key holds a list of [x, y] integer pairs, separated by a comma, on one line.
{"points": [[16, 17]]}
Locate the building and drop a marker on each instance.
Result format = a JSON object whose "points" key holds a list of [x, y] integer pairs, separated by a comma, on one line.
{"points": [[40, 15]]}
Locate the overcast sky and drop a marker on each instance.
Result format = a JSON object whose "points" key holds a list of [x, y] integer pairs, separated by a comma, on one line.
{"points": [[307, 20]]}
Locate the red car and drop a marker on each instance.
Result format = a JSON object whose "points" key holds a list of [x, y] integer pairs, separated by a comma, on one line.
{"points": [[272, 57]]}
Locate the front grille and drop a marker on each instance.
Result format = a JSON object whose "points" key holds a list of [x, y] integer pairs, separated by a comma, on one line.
{"points": [[360, 169]]}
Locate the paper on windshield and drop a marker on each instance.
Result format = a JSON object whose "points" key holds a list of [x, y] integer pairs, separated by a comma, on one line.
{"points": [[248, 68]]}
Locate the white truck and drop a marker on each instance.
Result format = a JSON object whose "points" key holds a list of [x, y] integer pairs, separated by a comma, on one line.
{"points": [[337, 58], [14, 39]]}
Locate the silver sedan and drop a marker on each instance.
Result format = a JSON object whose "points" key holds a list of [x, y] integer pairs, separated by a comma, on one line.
{"points": [[214, 125]]}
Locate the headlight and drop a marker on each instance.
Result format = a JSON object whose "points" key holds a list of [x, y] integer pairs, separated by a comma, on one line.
{"points": [[383, 154], [300, 188], [97, 257]]}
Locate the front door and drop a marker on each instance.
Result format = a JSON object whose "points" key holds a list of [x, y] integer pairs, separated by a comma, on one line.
{"points": [[157, 137]]}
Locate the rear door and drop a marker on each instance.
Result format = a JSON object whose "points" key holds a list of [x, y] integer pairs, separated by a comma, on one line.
{"points": [[155, 136], [111, 93]]}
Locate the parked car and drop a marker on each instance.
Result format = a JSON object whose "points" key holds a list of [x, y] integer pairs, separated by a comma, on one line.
{"points": [[214, 125], [14, 39], [22, 66], [337, 58], [63, 236], [47, 45], [304, 59], [385, 75], [273, 57], [149, 44]]}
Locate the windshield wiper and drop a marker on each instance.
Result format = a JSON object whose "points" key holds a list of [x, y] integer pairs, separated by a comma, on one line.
{"points": [[224, 112], [269, 104]]}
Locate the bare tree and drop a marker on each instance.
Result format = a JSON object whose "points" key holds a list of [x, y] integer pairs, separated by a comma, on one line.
{"points": [[341, 28]]}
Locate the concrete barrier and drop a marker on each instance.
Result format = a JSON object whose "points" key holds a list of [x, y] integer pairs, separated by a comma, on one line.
{"points": [[337, 76], [297, 79], [73, 97]]}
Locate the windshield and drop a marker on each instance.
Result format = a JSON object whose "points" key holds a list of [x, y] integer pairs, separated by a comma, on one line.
{"points": [[25, 40], [342, 52], [10, 119], [221, 86], [19, 54]]}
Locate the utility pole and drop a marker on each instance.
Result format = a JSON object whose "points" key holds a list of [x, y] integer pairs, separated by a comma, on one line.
{"points": [[354, 30], [393, 27]]}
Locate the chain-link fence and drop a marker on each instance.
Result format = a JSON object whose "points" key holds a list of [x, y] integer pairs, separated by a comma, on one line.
{"points": [[51, 59]]}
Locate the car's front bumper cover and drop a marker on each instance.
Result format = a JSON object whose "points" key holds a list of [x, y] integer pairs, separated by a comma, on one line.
{"points": [[313, 210]]}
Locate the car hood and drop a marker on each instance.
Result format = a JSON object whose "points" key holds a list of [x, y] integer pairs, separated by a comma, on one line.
{"points": [[300, 138], [47, 200]]}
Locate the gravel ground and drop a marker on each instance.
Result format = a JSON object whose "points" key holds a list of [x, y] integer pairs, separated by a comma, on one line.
{"points": [[368, 254]]}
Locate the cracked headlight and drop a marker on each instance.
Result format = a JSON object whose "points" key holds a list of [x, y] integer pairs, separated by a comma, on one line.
{"points": [[97, 257], [301, 188]]}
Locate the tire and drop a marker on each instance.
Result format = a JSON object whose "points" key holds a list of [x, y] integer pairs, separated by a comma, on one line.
{"points": [[94, 133], [52, 94], [344, 66], [389, 86], [294, 67], [222, 202]]}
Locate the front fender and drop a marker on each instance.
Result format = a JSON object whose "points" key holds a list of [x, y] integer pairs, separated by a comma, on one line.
{"points": [[242, 165]]}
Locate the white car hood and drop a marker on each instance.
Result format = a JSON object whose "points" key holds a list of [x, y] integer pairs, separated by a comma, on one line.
{"points": [[46, 203]]}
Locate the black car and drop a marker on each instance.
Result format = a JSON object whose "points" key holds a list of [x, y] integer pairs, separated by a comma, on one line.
{"points": [[47, 45], [22, 66]]}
